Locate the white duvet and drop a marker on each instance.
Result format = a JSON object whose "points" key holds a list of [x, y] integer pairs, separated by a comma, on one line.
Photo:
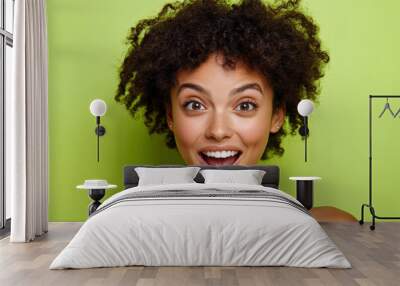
{"points": [[205, 231]]}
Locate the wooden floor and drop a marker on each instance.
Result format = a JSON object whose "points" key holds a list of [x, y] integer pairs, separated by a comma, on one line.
{"points": [[375, 256]]}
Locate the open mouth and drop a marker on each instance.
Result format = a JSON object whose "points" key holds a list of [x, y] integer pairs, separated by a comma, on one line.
{"points": [[220, 158]]}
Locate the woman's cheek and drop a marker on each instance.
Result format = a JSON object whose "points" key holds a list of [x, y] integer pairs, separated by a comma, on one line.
{"points": [[189, 128], [252, 130]]}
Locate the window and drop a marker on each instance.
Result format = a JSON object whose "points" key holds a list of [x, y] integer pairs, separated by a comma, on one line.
{"points": [[6, 63]]}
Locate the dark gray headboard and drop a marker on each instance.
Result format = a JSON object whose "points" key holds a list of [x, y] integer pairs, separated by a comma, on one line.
{"points": [[270, 179]]}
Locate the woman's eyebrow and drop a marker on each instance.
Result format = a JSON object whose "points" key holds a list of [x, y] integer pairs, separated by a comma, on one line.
{"points": [[242, 88], [237, 90], [192, 86]]}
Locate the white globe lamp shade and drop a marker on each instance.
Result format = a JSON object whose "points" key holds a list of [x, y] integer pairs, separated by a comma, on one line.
{"points": [[305, 107], [98, 107]]}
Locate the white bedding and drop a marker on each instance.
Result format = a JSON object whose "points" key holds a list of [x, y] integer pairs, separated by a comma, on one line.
{"points": [[183, 231]]}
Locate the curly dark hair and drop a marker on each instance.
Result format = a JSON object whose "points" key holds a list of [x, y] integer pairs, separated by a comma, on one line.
{"points": [[278, 40]]}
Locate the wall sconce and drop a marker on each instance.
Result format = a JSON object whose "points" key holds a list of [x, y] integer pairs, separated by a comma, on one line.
{"points": [[305, 108], [98, 108]]}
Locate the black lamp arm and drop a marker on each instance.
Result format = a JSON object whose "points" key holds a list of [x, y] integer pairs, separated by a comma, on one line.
{"points": [[305, 139], [100, 131], [304, 132]]}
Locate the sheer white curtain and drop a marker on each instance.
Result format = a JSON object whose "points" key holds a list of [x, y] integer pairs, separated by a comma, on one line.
{"points": [[27, 124]]}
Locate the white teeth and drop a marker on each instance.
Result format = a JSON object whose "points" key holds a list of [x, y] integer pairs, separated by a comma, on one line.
{"points": [[221, 154]]}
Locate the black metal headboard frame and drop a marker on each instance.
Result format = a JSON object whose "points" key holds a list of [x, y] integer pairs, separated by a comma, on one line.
{"points": [[270, 179]]}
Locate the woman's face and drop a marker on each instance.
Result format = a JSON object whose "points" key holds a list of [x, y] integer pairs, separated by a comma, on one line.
{"points": [[222, 116]]}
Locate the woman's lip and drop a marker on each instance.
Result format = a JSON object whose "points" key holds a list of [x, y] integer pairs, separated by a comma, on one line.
{"points": [[224, 148], [202, 162]]}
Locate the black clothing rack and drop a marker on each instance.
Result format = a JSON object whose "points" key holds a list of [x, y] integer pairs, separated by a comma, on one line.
{"points": [[370, 205]]}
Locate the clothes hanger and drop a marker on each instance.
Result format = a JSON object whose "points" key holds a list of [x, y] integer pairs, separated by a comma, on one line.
{"points": [[398, 112], [387, 107]]}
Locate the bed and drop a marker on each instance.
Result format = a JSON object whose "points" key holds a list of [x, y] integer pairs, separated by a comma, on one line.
{"points": [[201, 224]]}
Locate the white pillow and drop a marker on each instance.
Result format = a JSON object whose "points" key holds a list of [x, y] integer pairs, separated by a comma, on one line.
{"points": [[249, 177], [162, 176]]}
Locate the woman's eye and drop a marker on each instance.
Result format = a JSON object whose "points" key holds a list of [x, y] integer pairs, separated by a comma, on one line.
{"points": [[246, 106], [194, 105]]}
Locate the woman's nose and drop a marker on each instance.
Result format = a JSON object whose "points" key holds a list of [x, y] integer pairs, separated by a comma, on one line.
{"points": [[219, 127]]}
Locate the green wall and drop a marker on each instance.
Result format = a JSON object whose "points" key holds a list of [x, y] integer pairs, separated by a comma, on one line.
{"points": [[87, 44]]}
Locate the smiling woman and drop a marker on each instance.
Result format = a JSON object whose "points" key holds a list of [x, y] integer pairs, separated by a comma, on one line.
{"points": [[219, 79]]}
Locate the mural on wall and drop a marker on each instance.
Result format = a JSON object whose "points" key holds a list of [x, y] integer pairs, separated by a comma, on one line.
{"points": [[222, 81], [363, 49]]}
